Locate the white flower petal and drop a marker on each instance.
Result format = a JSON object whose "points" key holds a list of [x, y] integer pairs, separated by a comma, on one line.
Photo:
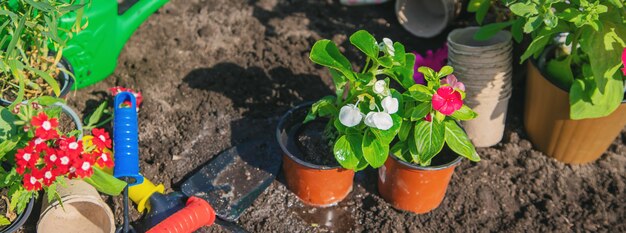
{"points": [[389, 46], [379, 87], [382, 120], [390, 104], [369, 120], [350, 115]]}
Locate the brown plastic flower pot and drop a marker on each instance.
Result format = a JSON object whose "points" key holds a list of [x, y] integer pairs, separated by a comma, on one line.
{"points": [[547, 122], [412, 187], [313, 184]]}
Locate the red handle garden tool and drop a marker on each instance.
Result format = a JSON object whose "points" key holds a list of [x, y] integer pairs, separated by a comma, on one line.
{"points": [[196, 214]]}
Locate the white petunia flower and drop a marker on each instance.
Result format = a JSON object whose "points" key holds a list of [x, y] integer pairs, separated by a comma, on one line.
{"points": [[350, 115], [379, 120], [379, 87], [390, 104]]}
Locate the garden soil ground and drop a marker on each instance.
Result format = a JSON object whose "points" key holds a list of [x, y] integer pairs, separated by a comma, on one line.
{"points": [[217, 73]]}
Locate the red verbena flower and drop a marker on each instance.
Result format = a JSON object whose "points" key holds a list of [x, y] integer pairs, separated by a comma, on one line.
{"points": [[51, 156], [45, 128], [82, 167], [70, 146], [38, 143], [63, 162], [25, 158], [447, 100], [48, 175], [101, 138], [31, 181], [104, 159]]}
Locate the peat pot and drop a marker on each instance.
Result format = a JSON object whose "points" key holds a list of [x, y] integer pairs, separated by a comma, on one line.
{"points": [[64, 79], [426, 18], [547, 122], [415, 188], [20, 220], [315, 185]]}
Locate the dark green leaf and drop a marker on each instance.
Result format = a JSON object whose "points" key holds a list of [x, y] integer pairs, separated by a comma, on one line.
{"points": [[420, 111], [429, 139], [482, 11], [536, 46], [405, 128], [458, 141]]}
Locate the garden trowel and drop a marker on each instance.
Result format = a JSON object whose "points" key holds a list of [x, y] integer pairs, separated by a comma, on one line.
{"points": [[224, 187]]}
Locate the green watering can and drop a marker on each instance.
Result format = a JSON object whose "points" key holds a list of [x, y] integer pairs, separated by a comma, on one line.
{"points": [[93, 52]]}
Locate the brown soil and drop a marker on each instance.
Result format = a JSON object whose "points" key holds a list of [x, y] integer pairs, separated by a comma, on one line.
{"points": [[218, 73], [314, 145]]}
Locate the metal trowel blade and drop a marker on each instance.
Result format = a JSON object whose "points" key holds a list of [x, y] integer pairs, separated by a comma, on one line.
{"points": [[232, 180]]}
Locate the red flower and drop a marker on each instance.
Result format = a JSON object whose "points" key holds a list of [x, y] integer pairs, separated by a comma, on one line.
{"points": [[447, 100], [70, 146], [63, 162], [104, 159], [138, 97], [82, 167], [38, 143], [31, 181], [51, 156], [49, 175], [101, 138], [25, 158], [624, 61], [45, 128]]}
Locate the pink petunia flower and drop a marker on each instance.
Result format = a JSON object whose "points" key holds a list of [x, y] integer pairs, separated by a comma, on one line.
{"points": [[432, 60]]}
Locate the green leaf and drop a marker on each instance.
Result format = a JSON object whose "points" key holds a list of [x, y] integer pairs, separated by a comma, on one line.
{"points": [[346, 149], [482, 11], [4, 221], [420, 111], [487, 31], [374, 152], [560, 71], [536, 46], [429, 140], [464, 113], [532, 23], [105, 183], [339, 80], [405, 128], [386, 61], [365, 42], [48, 100], [326, 53], [474, 5], [517, 30], [7, 128], [617, 3], [458, 141], [94, 118], [445, 71], [523, 9], [586, 100], [386, 136], [399, 55], [420, 93]]}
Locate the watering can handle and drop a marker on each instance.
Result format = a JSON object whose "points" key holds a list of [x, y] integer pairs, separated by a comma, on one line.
{"points": [[197, 213], [132, 18]]}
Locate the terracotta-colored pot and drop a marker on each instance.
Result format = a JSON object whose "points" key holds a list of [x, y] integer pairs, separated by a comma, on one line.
{"points": [[412, 187], [547, 122], [315, 185]]}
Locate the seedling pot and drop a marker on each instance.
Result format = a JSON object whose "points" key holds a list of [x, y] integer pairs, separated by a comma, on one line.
{"points": [[64, 79], [547, 122], [313, 184], [415, 188], [426, 18], [20, 220], [83, 211]]}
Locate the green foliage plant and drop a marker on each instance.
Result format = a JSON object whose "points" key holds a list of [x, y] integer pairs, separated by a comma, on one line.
{"points": [[31, 44], [596, 34]]}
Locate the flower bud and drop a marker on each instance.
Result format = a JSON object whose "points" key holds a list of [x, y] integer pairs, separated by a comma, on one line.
{"points": [[379, 87]]}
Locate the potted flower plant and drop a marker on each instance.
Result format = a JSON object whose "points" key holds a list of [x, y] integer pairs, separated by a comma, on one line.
{"points": [[574, 87], [36, 155], [324, 143], [31, 45]]}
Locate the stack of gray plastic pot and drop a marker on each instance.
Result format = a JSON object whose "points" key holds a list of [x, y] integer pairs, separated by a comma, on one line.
{"points": [[486, 70]]}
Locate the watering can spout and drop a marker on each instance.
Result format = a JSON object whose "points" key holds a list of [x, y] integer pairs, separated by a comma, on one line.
{"points": [[135, 16]]}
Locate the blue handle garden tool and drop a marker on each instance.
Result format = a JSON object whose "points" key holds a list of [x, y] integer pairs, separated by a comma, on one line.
{"points": [[126, 147]]}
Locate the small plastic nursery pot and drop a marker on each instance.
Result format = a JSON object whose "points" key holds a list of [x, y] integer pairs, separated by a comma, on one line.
{"points": [[314, 185], [20, 220], [547, 122], [415, 188], [426, 18], [65, 82], [83, 211]]}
